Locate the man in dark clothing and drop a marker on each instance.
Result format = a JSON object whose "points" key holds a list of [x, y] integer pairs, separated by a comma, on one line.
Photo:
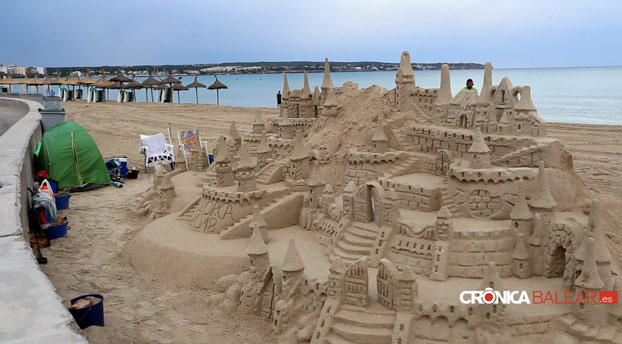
{"points": [[278, 99], [469, 86]]}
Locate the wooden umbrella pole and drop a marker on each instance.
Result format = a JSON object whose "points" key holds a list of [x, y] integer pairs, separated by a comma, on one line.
{"points": [[196, 90], [217, 97]]}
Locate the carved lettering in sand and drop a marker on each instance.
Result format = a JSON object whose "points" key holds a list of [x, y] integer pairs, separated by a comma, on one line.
{"points": [[210, 213]]}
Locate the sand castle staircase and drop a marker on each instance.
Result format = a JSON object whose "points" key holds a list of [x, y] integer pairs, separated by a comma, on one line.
{"points": [[522, 157], [357, 242], [402, 166], [187, 213], [239, 227], [448, 201], [271, 173], [402, 140], [356, 325]]}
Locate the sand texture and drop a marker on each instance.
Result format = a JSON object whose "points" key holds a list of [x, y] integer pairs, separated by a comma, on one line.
{"points": [[93, 258]]}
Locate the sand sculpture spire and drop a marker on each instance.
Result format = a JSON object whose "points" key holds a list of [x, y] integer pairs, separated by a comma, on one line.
{"points": [[380, 140], [536, 238], [327, 83], [520, 258], [306, 90], [444, 93], [542, 198], [256, 244], [478, 151], [525, 103], [485, 95], [601, 252], [521, 209], [299, 152], [258, 223], [285, 93], [233, 132], [222, 153], [263, 145], [491, 278], [245, 173], [315, 99], [589, 278], [292, 261], [258, 124], [405, 72], [286, 129]]}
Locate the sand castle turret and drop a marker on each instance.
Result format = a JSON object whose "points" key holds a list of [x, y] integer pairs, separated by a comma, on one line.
{"points": [[444, 228], [444, 224], [260, 263], [258, 124], [284, 108], [258, 223], [245, 173], [329, 108], [158, 176], [406, 290], [491, 278], [292, 265], [485, 96], [167, 188], [525, 104], [336, 278], [589, 283], [542, 202], [256, 246], [286, 128], [327, 82], [521, 215], [299, 159], [233, 132], [444, 95], [224, 170], [404, 81], [316, 186], [537, 246], [306, 90], [263, 152], [349, 191], [520, 258], [380, 140], [316, 101], [601, 252], [479, 153]]}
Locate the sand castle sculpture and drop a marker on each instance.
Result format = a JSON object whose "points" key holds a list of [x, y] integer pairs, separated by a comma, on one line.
{"points": [[459, 198]]}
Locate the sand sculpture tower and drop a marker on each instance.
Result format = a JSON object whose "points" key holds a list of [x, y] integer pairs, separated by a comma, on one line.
{"points": [[263, 152], [329, 108], [233, 132], [537, 246], [483, 110], [380, 140], [521, 215], [589, 282], [444, 95], [167, 188], [306, 105], [444, 229], [349, 191], [258, 124], [327, 82], [479, 153], [316, 186], [224, 171], [292, 270], [542, 202], [406, 290], [260, 263], [259, 223], [521, 267], [404, 81], [316, 101], [299, 159], [245, 173], [286, 128], [284, 97]]}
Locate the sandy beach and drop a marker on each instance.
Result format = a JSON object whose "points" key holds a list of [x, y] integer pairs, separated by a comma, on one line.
{"points": [[92, 258]]}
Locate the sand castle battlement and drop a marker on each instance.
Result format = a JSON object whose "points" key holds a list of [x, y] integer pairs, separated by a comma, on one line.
{"points": [[449, 193]]}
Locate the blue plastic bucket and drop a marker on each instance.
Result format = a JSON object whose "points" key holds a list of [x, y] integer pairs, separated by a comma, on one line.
{"points": [[62, 200], [210, 158], [123, 162], [89, 316], [55, 232], [53, 185]]}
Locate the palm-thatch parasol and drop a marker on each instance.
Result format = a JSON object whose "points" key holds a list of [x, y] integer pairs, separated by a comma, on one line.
{"points": [[36, 82], [149, 83], [102, 82], [196, 85], [134, 85], [120, 78], [170, 80], [217, 85], [179, 87], [26, 81]]}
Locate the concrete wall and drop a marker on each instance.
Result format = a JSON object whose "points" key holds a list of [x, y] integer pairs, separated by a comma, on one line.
{"points": [[30, 309]]}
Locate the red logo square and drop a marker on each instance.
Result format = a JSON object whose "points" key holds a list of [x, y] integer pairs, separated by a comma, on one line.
{"points": [[608, 297]]}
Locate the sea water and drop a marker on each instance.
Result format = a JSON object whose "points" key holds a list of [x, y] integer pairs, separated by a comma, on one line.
{"points": [[574, 95]]}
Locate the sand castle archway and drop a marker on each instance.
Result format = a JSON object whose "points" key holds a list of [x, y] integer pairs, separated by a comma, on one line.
{"points": [[441, 166], [368, 203], [555, 257]]}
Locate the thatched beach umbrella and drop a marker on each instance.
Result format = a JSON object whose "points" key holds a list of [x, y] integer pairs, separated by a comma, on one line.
{"points": [[120, 78], [179, 87], [26, 81], [36, 82], [196, 85], [134, 85], [9, 81], [170, 80], [149, 83], [217, 85], [103, 83]]}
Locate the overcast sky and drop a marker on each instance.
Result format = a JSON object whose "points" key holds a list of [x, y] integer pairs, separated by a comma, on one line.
{"points": [[510, 33]]}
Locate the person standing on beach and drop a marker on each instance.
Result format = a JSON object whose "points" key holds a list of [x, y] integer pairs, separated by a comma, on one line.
{"points": [[469, 86], [278, 99]]}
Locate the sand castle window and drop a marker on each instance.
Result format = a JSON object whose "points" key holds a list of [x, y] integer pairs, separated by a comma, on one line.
{"points": [[494, 308], [451, 309]]}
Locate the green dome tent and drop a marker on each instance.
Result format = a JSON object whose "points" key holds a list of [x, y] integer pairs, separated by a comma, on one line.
{"points": [[71, 157]]}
